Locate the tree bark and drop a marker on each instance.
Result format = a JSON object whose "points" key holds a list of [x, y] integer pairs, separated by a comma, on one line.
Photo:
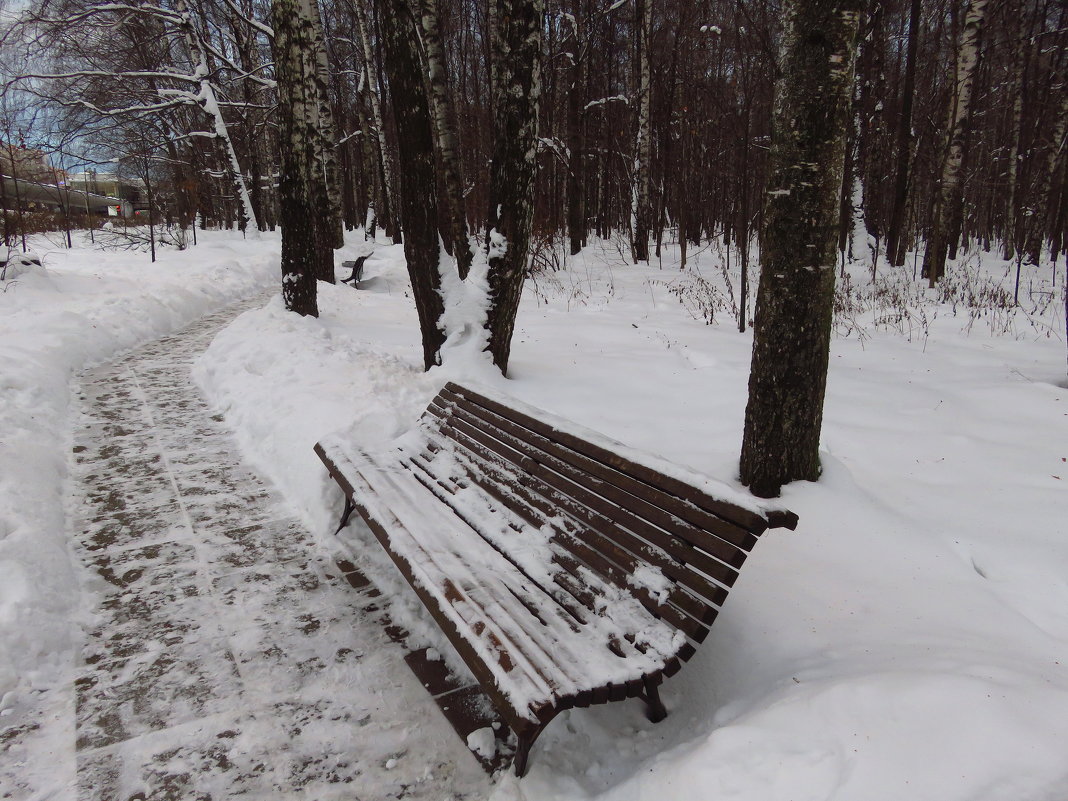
{"points": [[517, 87], [418, 194], [326, 142], [576, 185], [452, 204], [895, 249], [1042, 196], [386, 203], [643, 143], [306, 251], [934, 258], [796, 292]]}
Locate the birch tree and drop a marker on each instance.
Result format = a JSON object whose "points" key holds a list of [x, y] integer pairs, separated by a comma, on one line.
{"points": [[517, 87], [452, 200], [306, 238], [418, 193], [948, 188], [641, 211], [792, 330]]}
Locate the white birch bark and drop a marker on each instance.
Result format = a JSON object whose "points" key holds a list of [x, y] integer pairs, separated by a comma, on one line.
{"points": [[209, 102], [934, 259], [362, 27], [643, 145]]}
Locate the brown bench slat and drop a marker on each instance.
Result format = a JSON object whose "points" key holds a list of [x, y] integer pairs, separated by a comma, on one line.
{"points": [[712, 555], [651, 501], [539, 651], [594, 520], [591, 559], [575, 499], [751, 521]]}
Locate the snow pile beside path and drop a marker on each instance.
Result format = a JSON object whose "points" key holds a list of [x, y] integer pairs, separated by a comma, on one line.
{"points": [[85, 307], [909, 641]]}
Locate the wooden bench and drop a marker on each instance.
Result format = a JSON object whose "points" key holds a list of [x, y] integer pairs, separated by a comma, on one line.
{"points": [[565, 569], [357, 270]]}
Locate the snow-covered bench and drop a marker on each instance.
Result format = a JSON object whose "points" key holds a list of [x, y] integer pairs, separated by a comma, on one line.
{"points": [[565, 569]]}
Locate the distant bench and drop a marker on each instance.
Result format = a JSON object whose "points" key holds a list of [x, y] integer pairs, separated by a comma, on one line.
{"points": [[357, 270], [565, 569]]}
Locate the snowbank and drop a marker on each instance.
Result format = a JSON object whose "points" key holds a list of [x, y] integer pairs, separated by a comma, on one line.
{"points": [[86, 306], [908, 641]]}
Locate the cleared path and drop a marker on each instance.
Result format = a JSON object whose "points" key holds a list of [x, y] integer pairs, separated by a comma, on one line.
{"points": [[228, 658]]}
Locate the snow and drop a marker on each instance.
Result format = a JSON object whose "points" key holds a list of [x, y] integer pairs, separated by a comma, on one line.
{"points": [[909, 640], [85, 306]]}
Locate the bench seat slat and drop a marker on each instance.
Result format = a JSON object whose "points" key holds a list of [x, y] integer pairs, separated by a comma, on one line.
{"points": [[684, 611], [586, 588], [588, 522], [489, 613], [550, 645]]}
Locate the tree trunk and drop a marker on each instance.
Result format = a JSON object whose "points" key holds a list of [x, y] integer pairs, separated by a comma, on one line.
{"points": [[306, 251], [576, 188], [210, 104], [1045, 187], [386, 205], [1019, 64], [418, 194], [643, 143], [934, 258], [455, 216], [326, 142], [517, 87], [796, 293], [895, 249]]}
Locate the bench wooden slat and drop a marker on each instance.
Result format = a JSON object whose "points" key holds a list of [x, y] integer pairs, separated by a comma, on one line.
{"points": [[730, 542], [695, 628], [711, 555], [751, 521], [577, 612], [539, 649], [583, 504], [593, 521]]}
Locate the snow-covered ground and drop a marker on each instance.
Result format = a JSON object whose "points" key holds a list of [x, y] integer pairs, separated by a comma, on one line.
{"points": [[83, 308], [909, 640]]}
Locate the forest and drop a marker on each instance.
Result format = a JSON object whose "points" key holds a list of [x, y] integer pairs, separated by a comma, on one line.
{"points": [[654, 119]]}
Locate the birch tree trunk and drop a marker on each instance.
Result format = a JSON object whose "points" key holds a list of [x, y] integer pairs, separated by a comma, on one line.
{"points": [[895, 249], [418, 193], [1016, 93], [576, 187], [517, 87], [306, 252], [796, 292], [210, 103], [934, 258], [384, 212], [326, 141], [441, 113], [643, 144]]}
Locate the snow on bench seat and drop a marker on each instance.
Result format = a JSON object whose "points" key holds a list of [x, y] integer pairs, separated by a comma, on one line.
{"points": [[563, 570]]}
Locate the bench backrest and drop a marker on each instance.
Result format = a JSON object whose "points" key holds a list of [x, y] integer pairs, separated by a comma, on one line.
{"points": [[671, 545]]}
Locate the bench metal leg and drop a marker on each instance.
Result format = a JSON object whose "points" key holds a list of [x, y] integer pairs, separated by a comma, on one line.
{"points": [[349, 506], [656, 710], [526, 740]]}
